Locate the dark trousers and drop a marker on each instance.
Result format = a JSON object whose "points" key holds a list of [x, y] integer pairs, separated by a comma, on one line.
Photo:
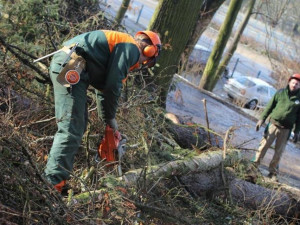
{"points": [[71, 119]]}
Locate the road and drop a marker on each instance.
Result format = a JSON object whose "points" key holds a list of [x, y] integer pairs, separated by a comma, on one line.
{"points": [[222, 115]]}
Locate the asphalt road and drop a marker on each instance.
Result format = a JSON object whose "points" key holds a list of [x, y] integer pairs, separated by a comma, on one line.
{"points": [[186, 101]]}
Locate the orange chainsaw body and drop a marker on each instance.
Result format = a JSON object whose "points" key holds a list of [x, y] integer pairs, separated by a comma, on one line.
{"points": [[109, 145]]}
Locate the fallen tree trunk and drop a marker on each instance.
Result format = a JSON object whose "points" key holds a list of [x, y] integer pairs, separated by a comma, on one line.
{"points": [[243, 193], [203, 162], [192, 135], [259, 198], [203, 176]]}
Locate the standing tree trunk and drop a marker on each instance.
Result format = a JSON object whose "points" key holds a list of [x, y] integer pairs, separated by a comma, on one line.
{"points": [[122, 10], [207, 12], [234, 43], [209, 75], [174, 21]]}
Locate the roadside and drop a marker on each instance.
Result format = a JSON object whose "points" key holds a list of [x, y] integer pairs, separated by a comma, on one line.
{"points": [[186, 102]]}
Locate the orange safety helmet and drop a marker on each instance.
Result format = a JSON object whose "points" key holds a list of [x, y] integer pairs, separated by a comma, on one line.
{"points": [[154, 49], [295, 76]]}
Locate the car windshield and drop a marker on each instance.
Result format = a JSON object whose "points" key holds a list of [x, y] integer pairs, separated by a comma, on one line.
{"points": [[263, 90], [246, 82]]}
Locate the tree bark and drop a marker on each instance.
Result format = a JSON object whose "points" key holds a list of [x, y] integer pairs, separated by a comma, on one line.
{"points": [[192, 136], [209, 73], [202, 175], [235, 41], [203, 162], [122, 10], [257, 197], [208, 10], [174, 21], [243, 193]]}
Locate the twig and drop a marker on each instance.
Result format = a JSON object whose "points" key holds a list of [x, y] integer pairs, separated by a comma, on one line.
{"points": [[48, 120], [84, 178], [247, 149], [166, 139], [46, 78], [217, 140], [245, 142], [145, 170], [225, 142], [17, 82], [22, 51], [47, 138], [38, 122], [49, 34], [42, 191], [70, 195], [190, 192], [206, 118], [162, 212], [87, 144], [231, 129], [154, 185]]}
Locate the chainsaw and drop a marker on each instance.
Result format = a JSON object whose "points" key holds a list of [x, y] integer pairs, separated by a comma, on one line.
{"points": [[112, 148]]}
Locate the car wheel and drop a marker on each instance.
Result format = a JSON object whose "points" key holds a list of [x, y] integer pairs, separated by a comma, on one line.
{"points": [[251, 105]]}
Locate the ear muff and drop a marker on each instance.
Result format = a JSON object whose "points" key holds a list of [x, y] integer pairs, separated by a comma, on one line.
{"points": [[150, 51]]}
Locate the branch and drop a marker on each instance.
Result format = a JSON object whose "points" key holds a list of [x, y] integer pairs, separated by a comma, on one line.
{"points": [[27, 63], [23, 86], [162, 212]]}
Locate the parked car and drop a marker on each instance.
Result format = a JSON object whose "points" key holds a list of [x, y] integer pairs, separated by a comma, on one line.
{"points": [[250, 91]]}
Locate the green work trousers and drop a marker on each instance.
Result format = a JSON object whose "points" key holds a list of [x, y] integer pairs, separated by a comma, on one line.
{"points": [[71, 119], [281, 135]]}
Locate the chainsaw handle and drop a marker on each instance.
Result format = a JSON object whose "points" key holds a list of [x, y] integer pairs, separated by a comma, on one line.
{"points": [[109, 144]]}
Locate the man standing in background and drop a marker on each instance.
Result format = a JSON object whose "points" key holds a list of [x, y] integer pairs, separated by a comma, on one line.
{"points": [[283, 111]]}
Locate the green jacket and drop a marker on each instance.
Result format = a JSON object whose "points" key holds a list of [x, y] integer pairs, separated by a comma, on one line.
{"points": [[284, 108], [109, 56]]}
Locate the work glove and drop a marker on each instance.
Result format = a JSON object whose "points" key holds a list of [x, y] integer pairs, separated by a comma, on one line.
{"points": [[296, 137], [258, 125], [112, 123]]}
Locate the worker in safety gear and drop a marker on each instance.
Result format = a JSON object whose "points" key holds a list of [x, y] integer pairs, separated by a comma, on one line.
{"points": [[283, 111], [102, 59]]}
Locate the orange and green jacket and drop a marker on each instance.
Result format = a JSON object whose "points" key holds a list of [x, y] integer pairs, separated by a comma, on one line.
{"points": [[109, 56]]}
